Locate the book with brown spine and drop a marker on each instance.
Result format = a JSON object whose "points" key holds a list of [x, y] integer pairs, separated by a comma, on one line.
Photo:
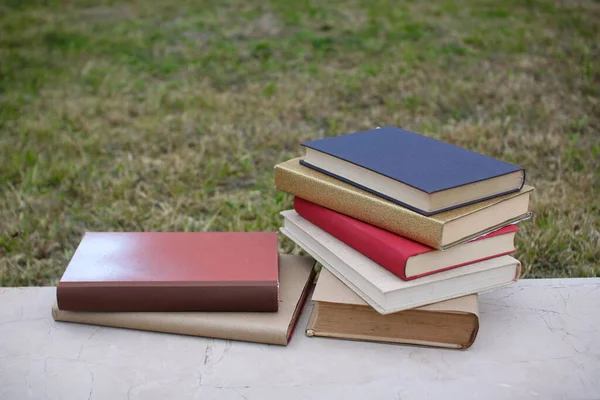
{"points": [[296, 279], [339, 313], [172, 271]]}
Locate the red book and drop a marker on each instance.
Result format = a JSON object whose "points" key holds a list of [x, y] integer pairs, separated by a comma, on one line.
{"points": [[404, 257], [172, 271]]}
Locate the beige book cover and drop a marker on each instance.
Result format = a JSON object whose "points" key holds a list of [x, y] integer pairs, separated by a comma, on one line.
{"points": [[339, 313], [296, 277], [440, 231]]}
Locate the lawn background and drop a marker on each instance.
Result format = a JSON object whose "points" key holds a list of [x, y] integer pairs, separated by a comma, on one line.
{"points": [[170, 115]]}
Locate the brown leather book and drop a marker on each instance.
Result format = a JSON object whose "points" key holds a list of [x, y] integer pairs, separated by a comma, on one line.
{"points": [[297, 275], [339, 313], [172, 271]]}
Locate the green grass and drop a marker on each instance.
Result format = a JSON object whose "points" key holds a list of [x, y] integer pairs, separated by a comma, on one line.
{"points": [[131, 115]]}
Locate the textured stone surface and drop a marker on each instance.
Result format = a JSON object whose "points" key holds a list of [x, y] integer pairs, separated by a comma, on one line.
{"points": [[538, 339]]}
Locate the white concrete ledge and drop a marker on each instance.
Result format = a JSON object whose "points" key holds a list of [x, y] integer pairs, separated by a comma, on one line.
{"points": [[538, 339]]}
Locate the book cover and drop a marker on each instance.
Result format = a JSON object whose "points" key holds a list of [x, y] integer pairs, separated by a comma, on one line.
{"points": [[172, 271], [441, 231], [297, 275], [403, 257], [339, 313], [415, 161]]}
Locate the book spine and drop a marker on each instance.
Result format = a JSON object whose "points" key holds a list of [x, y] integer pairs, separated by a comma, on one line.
{"points": [[141, 298], [365, 207]]}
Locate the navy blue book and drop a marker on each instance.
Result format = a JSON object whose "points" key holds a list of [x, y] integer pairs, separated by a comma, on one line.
{"points": [[420, 173]]}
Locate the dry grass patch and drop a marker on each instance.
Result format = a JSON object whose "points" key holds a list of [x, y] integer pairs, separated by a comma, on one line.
{"points": [[119, 116]]}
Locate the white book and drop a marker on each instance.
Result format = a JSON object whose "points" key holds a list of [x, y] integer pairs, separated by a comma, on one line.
{"points": [[383, 290]]}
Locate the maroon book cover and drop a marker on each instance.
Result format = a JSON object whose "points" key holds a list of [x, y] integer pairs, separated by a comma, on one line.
{"points": [[172, 271], [403, 257]]}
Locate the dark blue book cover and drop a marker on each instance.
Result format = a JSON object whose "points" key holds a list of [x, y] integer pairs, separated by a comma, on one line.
{"points": [[424, 163]]}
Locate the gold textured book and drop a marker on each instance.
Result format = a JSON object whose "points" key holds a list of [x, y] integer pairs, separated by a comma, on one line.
{"points": [[296, 278], [440, 231], [339, 313]]}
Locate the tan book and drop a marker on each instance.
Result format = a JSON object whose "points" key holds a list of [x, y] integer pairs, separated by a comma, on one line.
{"points": [[440, 231], [339, 313], [296, 277]]}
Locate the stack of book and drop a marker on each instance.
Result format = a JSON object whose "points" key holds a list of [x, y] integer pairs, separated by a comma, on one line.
{"points": [[409, 230], [226, 285]]}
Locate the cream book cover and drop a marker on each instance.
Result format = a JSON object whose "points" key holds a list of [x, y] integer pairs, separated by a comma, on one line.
{"points": [[296, 278], [330, 289]]}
